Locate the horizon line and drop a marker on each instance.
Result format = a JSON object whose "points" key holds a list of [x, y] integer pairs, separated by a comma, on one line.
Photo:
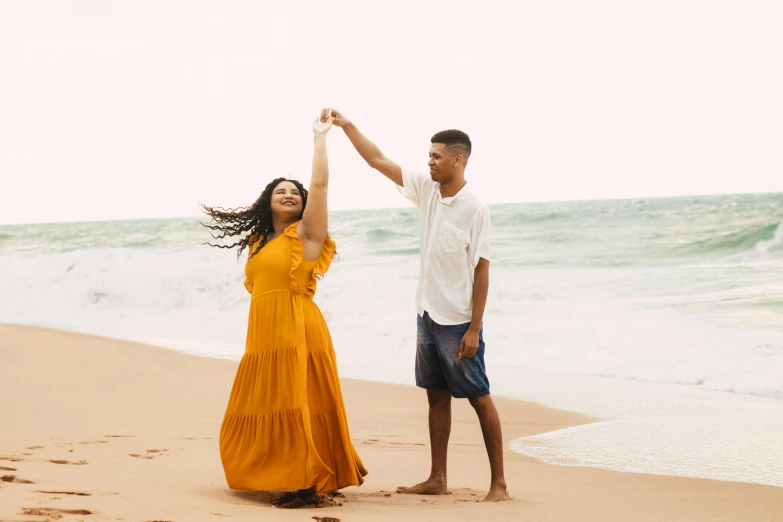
{"points": [[532, 202]]}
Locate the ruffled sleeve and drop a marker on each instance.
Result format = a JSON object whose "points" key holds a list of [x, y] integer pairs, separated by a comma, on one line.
{"points": [[323, 264], [297, 256]]}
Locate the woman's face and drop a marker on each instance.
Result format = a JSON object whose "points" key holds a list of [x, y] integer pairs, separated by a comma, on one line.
{"points": [[286, 200]]}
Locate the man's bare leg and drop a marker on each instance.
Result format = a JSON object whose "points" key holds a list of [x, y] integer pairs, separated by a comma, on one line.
{"points": [[493, 440], [440, 429]]}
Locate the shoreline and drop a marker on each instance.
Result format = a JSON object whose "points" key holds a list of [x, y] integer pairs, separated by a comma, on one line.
{"points": [[620, 414], [144, 448], [623, 414]]}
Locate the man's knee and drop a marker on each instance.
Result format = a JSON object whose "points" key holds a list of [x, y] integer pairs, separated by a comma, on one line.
{"points": [[438, 397], [481, 403]]}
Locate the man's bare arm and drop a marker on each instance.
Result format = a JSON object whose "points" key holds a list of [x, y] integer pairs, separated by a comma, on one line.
{"points": [[367, 149], [470, 341], [480, 292]]}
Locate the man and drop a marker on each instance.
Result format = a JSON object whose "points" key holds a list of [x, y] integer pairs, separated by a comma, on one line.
{"points": [[451, 294]]}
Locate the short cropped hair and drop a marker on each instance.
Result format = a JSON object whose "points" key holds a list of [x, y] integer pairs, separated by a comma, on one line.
{"points": [[453, 138]]}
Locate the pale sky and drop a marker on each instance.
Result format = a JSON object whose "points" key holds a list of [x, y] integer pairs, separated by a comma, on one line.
{"points": [[141, 109]]}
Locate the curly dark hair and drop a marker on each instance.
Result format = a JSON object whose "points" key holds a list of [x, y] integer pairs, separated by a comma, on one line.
{"points": [[252, 223]]}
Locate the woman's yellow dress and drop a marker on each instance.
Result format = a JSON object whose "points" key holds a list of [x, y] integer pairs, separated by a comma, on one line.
{"points": [[285, 427]]}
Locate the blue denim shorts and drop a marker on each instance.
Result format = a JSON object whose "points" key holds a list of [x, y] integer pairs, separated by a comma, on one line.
{"points": [[437, 363]]}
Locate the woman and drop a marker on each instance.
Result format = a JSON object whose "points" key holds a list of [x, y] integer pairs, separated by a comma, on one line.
{"points": [[285, 427]]}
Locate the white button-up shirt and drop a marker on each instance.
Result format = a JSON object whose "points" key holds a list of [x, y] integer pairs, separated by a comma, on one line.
{"points": [[454, 235]]}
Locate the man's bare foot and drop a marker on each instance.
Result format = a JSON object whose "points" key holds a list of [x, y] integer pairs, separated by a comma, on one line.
{"points": [[496, 493], [428, 487]]}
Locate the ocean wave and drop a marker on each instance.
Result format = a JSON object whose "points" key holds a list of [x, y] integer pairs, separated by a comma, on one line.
{"points": [[383, 234], [774, 243], [402, 251], [592, 294], [736, 447], [757, 238], [519, 218]]}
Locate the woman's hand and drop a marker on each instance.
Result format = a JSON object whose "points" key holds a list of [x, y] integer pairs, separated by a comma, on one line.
{"points": [[322, 124]]}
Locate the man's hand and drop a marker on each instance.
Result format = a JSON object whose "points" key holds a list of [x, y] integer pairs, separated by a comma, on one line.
{"points": [[469, 345], [323, 123], [337, 118]]}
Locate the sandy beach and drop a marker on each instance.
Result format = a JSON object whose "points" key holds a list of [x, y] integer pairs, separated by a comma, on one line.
{"points": [[101, 429]]}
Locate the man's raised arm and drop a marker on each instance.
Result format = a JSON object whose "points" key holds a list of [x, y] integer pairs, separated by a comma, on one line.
{"points": [[366, 149]]}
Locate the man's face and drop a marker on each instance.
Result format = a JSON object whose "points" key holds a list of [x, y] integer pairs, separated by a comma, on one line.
{"points": [[442, 163]]}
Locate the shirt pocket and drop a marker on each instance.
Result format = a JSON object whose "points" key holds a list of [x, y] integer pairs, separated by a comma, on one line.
{"points": [[451, 239]]}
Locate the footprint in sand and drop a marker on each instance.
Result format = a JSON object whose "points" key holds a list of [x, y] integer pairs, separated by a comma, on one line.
{"points": [[382, 443], [380, 493], [76, 493], [121, 436], [151, 454], [15, 480], [69, 462], [34, 447], [53, 512], [7, 469], [12, 458]]}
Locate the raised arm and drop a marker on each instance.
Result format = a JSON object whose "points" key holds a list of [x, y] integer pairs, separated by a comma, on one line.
{"points": [[366, 149], [315, 220]]}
